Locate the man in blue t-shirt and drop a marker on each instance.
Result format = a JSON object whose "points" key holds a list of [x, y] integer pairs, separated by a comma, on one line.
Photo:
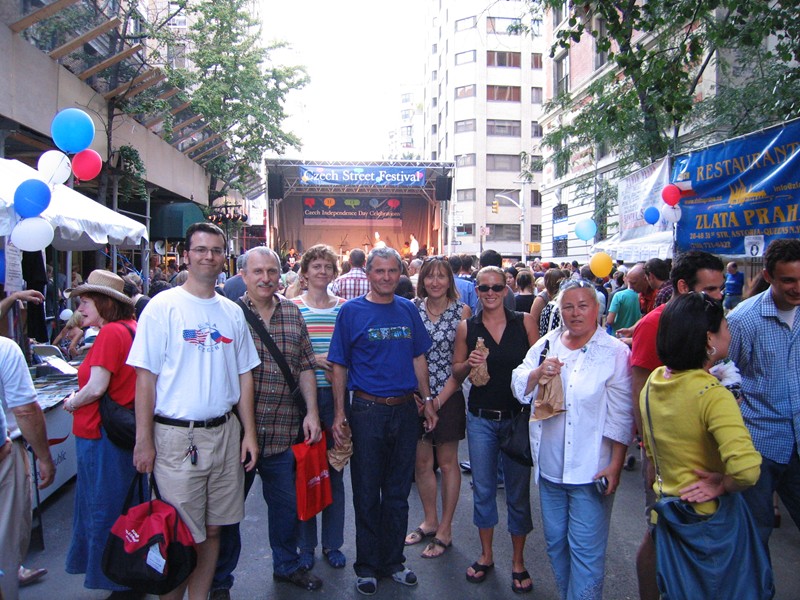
{"points": [[734, 286], [378, 353]]}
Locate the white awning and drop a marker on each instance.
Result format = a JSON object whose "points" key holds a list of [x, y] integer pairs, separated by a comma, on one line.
{"points": [[79, 222]]}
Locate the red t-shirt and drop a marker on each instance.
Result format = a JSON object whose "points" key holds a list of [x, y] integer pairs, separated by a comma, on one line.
{"points": [[647, 301], [110, 351], [643, 349]]}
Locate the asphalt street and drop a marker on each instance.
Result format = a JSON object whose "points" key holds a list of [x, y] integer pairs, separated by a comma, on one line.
{"points": [[440, 578]]}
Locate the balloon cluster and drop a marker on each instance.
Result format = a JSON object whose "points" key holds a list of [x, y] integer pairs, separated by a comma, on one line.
{"points": [[671, 212], [72, 131]]}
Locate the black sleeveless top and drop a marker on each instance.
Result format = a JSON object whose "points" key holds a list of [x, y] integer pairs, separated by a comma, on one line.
{"points": [[503, 359]]}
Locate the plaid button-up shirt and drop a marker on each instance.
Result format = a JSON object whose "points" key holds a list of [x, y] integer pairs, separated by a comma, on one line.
{"points": [[277, 414], [352, 284]]}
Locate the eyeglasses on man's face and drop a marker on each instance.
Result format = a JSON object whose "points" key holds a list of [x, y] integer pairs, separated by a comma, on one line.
{"points": [[203, 251], [497, 288]]}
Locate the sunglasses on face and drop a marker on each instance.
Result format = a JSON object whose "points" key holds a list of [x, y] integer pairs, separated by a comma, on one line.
{"points": [[495, 288]]}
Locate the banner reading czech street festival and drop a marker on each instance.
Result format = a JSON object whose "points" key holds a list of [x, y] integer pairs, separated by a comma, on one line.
{"points": [[745, 187], [352, 175]]}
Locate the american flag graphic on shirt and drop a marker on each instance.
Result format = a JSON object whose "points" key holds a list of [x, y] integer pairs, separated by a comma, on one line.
{"points": [[205, 335]]}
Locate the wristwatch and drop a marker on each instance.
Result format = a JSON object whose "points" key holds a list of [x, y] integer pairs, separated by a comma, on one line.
{"points": [[427, 399]]}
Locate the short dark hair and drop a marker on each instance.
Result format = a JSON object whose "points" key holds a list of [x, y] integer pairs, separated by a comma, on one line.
{"points": [[657, 268], [524, 279], [204, 227], [466, 262], [357, 258], [687, 265], [491, 258], [110, 309], [783, 250], [683, 328], [455, 263], [405, 288]]}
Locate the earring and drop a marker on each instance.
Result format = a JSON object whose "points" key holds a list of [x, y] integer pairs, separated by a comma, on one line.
{"points": [[711, 351]]}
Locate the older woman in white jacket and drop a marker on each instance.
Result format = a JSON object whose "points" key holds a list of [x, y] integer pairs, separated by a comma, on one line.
{"points": [[578, 454]]}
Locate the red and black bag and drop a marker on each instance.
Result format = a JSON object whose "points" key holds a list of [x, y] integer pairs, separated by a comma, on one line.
{"points": [[150, 549], [313, 482]]}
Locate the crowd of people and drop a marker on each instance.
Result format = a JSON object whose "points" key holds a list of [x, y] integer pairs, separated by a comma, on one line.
{"points": [[226, 375]]}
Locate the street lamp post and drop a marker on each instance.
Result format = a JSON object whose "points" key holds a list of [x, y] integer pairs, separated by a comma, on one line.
{"points": [[521, 206]]}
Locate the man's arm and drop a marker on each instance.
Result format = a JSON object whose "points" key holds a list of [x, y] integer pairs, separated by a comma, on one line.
{"points": [[25, 295], [246, 410], [144, 452], [339, 388], [30, 420], [308, 387]]}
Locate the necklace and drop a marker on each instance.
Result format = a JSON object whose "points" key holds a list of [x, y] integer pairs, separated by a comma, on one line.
{"points": [[428, 308]]}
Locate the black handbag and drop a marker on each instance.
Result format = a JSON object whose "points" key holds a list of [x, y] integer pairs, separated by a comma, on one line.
{"points": [[118, 422], [714, 557], [517, 444]]}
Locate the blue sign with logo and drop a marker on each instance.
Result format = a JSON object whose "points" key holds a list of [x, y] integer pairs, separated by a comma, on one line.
{"points": [[748, 186], [352, 175]]}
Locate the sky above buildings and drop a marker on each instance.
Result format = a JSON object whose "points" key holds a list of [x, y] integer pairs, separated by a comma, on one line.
{"points": [[357, 53]]}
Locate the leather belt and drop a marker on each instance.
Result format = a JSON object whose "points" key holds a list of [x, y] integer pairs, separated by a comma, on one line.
{"points": [[492, 415], [388, 401], [208, 423]]}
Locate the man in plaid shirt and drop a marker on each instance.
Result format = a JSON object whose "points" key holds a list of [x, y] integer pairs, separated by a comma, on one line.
{"points": [[354, 283], [278, 421]]}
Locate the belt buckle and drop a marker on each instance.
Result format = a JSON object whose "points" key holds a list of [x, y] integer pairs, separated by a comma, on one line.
{"points": [[496, 414]]}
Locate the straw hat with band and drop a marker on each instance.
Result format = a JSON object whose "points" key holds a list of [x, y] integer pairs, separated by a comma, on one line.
{"points": [[102, 282]]}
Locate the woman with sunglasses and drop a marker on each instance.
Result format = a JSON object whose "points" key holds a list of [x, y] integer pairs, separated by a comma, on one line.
{"points": [[441, 311], [578, 454], [491, 408]]}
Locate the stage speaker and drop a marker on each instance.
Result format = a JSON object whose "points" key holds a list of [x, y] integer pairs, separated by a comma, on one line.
{"points": [[274, 186], [444, 188]]}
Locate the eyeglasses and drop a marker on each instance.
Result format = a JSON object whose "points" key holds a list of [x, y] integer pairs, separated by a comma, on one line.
{"points": [[568, 284], [203, 251], [497, 288]]}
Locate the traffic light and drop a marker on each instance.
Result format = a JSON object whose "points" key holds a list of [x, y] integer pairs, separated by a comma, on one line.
{"points": [[495, 206]]}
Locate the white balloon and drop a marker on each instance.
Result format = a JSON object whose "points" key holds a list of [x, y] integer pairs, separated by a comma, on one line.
{"points": [[671, 213], [65, 315], [54, 166], [32, 234]]}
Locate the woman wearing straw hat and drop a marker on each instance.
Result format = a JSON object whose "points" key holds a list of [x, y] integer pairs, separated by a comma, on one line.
{"points": [[105, 470]]}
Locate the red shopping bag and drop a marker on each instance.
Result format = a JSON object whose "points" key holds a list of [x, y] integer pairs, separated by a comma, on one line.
{"points": [[313, 481]]}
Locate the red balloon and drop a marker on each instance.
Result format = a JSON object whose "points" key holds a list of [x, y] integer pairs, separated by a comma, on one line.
{"points": [[86, 164], [671, 194]]}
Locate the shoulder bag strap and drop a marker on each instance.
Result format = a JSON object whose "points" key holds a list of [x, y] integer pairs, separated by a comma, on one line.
{"points": [[653, 440], [276, 353]]}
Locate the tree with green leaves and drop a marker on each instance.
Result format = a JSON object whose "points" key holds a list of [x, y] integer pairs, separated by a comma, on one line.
{"points": [[643, 106]]}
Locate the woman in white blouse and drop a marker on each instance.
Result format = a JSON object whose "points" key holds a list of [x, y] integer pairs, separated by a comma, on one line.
{"points": [[584, 444]]}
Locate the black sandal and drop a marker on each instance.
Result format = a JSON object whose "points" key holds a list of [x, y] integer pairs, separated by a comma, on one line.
{"points": [[520, 577], [481, 571]]}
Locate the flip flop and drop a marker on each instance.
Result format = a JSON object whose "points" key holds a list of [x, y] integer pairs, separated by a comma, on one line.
{"points": [[520, 577], [481, 571], [432, 545], [416, 536]]}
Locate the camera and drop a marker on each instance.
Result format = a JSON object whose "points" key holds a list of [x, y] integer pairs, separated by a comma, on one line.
{"points": [[602, 485]]}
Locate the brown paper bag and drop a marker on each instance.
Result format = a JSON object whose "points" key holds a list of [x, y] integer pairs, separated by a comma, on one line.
{"points": [[550, 399], [480, 375]]}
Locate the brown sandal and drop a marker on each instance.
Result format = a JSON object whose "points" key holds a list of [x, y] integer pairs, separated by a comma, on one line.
{"points": [[432, 545], [417, 536]]}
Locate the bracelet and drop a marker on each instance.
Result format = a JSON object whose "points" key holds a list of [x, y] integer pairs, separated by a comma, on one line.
{"points": [[427, 399], [438, 404]]}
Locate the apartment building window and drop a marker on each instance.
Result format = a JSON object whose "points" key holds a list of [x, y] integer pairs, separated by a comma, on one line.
{"points": [[536, 198], [434, 75], [503, 232], [502, 25], [601, 150], [434, 102], [600, 56], [406, 114], [465, 195], [560, 13], [434, 49], [561, 74], [407, 131], [503, 162], [466, 229], [434, 128], [463, 58], [465, 125], [495, 58], [561, 161], [536, 163], [536, 233], [536, 28], [561, 247], [502, 127], [176, 56], [536, 129], [433, 155], [465, 160], [503, 93], [466, 23], [406, 98], [465, 91], [179, 20], [536, 95], [491, 196], [536, 60]]}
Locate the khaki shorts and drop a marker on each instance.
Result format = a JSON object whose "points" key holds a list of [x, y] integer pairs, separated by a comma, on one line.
{"points": [[210, 492]]}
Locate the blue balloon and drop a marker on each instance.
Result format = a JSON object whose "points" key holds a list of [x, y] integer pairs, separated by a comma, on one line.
{"points": [[31, 197], [72, 130], [651, 215], [586, 229]]}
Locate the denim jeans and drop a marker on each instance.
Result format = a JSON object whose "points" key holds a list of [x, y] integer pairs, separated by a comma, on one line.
{"points": [[333, 515], [483, 438], [277, 474], [575, 519], [775, 477], [382, 469]]}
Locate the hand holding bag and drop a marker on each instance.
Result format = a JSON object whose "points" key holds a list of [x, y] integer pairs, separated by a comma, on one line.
{"points": [[713, 557], [312, 483], [149, 549]]}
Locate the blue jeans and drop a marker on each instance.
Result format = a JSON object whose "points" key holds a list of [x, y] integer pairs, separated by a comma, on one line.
{"points": [[575, 519], [333, 515], [483, 438], [382, 469], [775, 477], [277, 474]]}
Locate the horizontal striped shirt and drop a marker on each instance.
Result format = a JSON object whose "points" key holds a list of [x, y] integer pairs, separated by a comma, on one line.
{"points": [[320, 322]]}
